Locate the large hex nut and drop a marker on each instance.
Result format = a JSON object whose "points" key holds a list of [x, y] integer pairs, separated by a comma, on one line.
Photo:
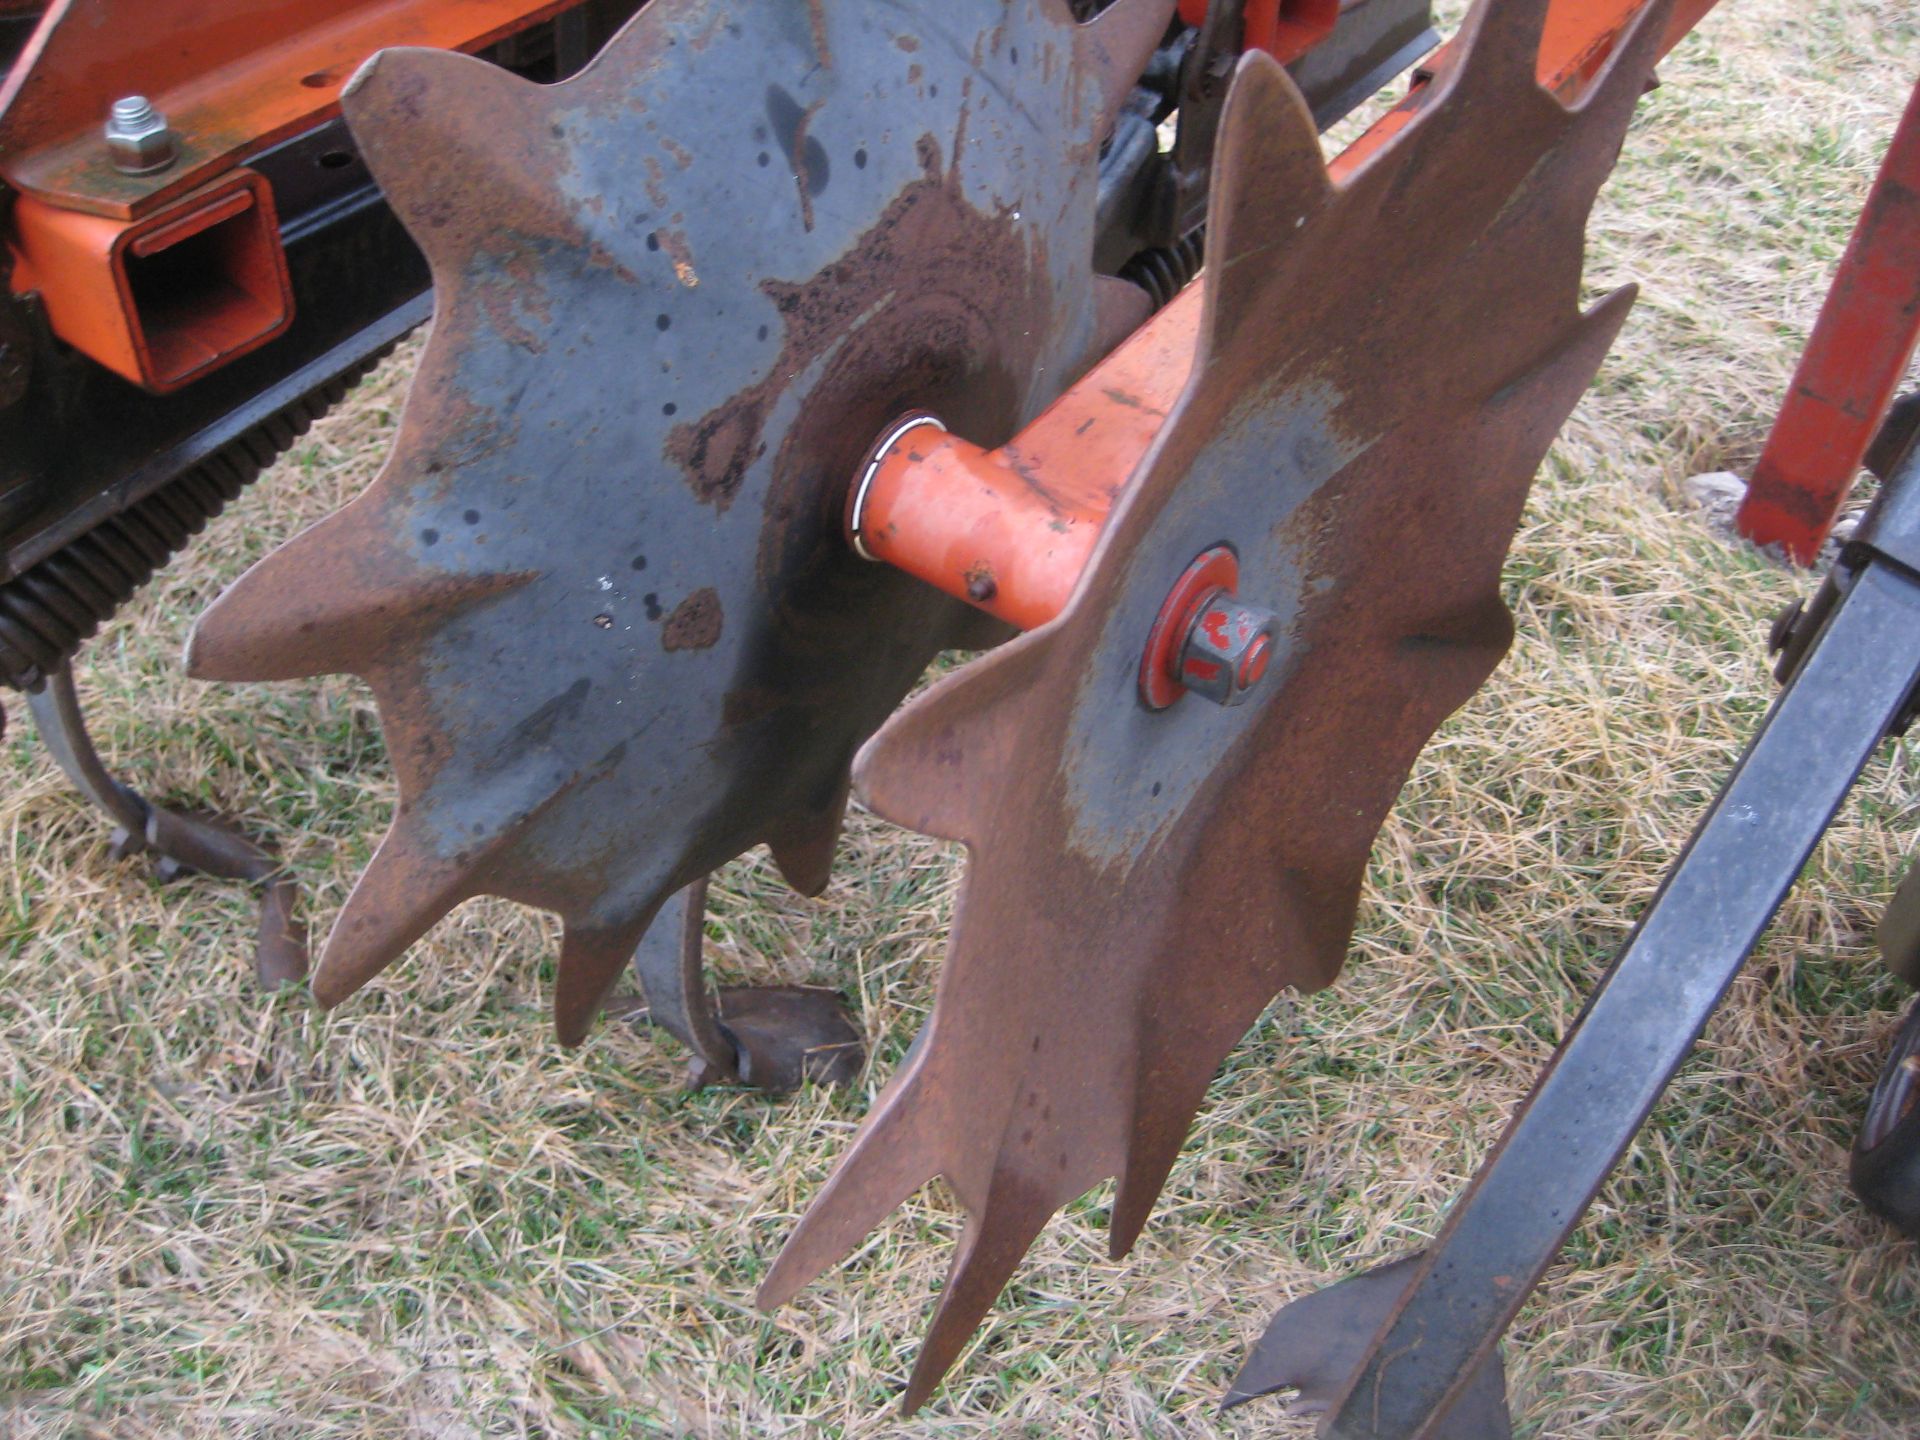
{"points": [[138, 137], [1227, 648]]}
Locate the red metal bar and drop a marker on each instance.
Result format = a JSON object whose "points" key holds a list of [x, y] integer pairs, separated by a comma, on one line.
{"points": [[1854, 361], [1010, 530], [1285, 29]]}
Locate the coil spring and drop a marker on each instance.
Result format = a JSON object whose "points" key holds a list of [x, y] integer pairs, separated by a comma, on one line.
{"points": [[51, 609], [1165, 272]]}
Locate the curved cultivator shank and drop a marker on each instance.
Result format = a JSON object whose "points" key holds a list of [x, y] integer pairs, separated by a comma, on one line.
{"points": [[1382, 365], [599, 589]]}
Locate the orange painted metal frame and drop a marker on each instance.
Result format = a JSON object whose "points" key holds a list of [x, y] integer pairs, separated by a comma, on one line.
{"points": [[235, 296], [1285, 29], [1010, 530], [1854, 361], [230, 78]]}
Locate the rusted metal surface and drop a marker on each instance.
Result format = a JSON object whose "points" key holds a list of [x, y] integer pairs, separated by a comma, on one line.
{"points": [[53, 606], [600, 589], [670, 964], [1382, 365], [789, 1035], [231, 78], [1576, 40], [1855, 685], [1855, 360]]}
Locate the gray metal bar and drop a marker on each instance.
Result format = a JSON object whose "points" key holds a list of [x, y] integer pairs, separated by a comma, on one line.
{"points": [[1645, 1015]]}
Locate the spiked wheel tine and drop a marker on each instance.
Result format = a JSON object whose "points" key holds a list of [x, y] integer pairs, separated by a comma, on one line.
{"points": [[1621, 80], [662, 580], [990, 1250], [430, 124], [1561, 375], [934, 761], [1269, 178], [404, 893], [246, 634], [804, 849], [1159, 1132], [322, 603], [1114, 47], [1147, 1169], [1501, 47], [592, 960], [894, 1156], [1199, 1013]]}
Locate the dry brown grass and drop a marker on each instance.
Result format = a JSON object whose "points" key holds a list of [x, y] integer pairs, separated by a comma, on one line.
{"points": [[225, 1215]]}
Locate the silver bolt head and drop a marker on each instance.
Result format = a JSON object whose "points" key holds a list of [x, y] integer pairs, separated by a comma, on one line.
{"points": [[1227, 649], [138, 137]]}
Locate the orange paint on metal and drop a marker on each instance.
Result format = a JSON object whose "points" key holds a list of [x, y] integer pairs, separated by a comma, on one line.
{"points": [[1028, 514], [1575, 41], [1213, 573], [982, 525], [1578, 37], [1254, 663], [1285, 29], [985, 529], [229, 79], [164, 276], [164, 299], [1854, 362]]}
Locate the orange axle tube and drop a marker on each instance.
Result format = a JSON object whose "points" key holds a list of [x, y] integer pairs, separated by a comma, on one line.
{"points": [[1010, 530]]}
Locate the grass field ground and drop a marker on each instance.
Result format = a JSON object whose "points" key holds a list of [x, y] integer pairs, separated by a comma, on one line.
{"points": [[229, 1215]]}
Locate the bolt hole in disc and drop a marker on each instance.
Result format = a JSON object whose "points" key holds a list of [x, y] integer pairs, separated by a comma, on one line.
{"points": [[1213, 570]]}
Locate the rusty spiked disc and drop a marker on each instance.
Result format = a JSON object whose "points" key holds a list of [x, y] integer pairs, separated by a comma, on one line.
{"points": [[598, 589], [1382, 365]]}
